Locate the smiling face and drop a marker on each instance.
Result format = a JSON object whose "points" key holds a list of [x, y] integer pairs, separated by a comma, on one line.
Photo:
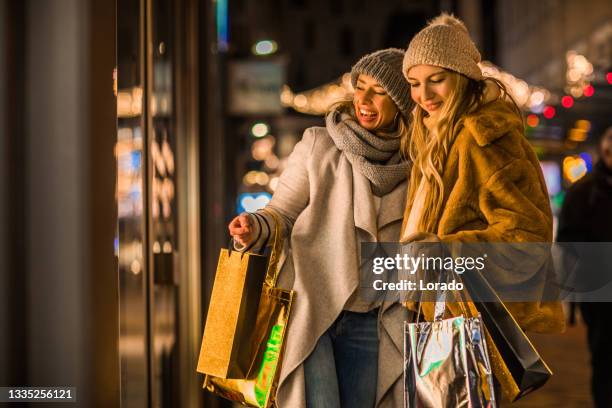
{"points": [[374, 108], [430, 87]]}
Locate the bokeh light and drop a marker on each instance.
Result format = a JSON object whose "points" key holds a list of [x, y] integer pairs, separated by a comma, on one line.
{"points": [[265, 47], [574, 168], [532, 120], [262, 148], [583, 124], [549, 112], [588, 160], [577, 135], [260, 129]]}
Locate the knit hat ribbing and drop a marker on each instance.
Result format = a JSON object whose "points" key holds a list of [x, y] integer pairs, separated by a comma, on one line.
{"points": [[386, 67], [446, 43]]}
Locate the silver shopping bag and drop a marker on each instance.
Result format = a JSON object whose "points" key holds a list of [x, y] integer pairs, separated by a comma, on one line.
{"points": [[446, 363]]}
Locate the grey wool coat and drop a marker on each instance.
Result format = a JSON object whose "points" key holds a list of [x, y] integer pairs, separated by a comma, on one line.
{"points": [[321, 200]]}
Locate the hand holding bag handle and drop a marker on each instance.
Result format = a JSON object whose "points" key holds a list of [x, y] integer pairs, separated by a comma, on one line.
{"points": [[258, 389], [226, 350], [254, 242]]}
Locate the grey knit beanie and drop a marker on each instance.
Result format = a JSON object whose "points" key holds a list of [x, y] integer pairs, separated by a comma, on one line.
{"points": [[386, 67], [446, 43]]}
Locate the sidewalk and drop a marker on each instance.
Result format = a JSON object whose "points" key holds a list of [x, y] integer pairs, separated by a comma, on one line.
{"points": [[568, 357]]}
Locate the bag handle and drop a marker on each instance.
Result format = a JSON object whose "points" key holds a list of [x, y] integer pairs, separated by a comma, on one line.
{"points": [[440, 305], [418, 316], [277, 247]]}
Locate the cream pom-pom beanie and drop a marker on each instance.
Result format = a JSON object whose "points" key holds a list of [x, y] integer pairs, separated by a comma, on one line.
{"points": [[446, 43]]}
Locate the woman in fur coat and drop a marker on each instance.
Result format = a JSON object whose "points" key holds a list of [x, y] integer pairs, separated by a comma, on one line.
{"points": [[475, 177]]}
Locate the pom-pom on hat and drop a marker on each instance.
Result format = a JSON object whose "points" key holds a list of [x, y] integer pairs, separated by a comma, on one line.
{"points": [[386, 67], [446, 43]]}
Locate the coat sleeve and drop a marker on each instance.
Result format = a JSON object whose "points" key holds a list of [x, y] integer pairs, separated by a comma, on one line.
{"points": [[514, 205], [292, 193]]}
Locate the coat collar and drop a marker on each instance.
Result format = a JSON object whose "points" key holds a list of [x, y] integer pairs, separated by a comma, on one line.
{"points": [[492, 121], [366, 217]]}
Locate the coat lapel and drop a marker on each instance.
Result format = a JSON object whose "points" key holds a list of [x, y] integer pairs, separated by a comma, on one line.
{"points": [[366, 217], [393, 203], [363, 204]]}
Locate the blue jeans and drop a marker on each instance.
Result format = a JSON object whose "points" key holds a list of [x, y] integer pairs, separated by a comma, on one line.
{"points": [[342, 370]]}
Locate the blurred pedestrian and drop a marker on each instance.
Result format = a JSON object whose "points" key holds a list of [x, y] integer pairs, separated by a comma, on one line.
{"points": [[344, 184], [586, 216], [475, 178]]}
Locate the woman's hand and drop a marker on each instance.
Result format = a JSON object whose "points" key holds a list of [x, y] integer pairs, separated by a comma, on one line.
{"points": [[242, 230]]}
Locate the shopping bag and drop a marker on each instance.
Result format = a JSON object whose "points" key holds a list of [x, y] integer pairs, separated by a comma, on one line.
{"points": [[528, 371], [226, 349], [258, 387], [446, 362]]}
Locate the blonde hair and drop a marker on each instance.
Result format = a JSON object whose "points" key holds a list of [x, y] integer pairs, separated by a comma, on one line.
{"points": [[400, 126], [429, 150]]}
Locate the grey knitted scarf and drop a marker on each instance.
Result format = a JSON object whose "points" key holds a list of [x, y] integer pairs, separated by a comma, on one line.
{"points": [[376, 157]]}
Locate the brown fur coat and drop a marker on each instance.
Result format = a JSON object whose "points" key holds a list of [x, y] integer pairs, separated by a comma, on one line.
{"points": [[494, 191]]}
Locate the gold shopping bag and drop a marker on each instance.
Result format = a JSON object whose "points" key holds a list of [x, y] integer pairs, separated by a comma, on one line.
{"points": [[226, 349], [258, 387]]}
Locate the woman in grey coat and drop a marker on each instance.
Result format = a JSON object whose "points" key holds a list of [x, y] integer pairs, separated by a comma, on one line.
{"points": [[344, 184]]}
